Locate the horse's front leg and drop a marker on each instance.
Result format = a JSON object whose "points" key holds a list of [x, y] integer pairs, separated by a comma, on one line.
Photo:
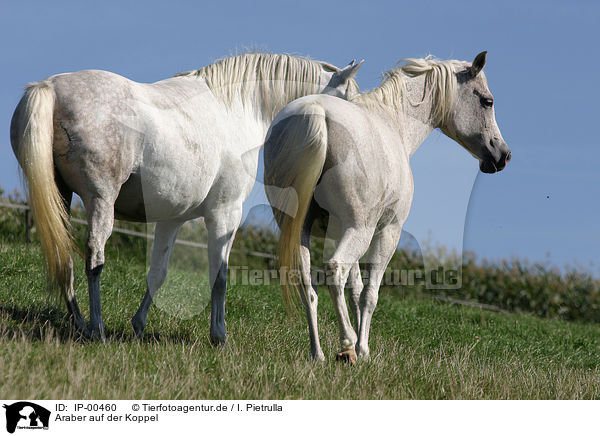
{"points": [[221, 226], [100, 217], [164, 240]]}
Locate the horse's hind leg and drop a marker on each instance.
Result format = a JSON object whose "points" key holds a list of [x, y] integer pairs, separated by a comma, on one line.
{"points": [[72, 306], [164, 240], [221, 226], [308, 293], [69, 291], [352, 245], [100, 217], [382, 248], [356, 286]]}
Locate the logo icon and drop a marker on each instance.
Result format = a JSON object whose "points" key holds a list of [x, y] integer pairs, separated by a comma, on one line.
{"points": [[26, 415]]}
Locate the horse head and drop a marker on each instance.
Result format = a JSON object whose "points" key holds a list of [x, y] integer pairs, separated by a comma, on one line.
{"points": [[472, 121]]}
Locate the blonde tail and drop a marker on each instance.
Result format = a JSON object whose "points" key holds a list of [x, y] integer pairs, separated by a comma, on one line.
{"points": [[302, 148], [32, 137]]}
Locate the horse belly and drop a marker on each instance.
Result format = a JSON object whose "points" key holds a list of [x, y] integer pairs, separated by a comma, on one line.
{"points": [[130, 204], [146, 198]]}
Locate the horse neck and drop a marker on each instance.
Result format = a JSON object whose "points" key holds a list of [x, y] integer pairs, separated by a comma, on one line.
{"points": [[412, 116], [415, 121], [257, 113], [251, 120]]}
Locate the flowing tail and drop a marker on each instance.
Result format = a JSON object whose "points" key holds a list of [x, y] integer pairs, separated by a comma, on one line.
{"points": [[301, 144], [32, 138]]}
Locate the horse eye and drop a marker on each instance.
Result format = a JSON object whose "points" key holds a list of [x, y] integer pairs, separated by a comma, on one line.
{"points": [[487, 102]]}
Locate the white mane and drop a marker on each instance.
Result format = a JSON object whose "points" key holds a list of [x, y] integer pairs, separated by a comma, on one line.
{"points": [[265, 81], [440, 86]]}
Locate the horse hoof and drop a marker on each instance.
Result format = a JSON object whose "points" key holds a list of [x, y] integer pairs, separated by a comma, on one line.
{"points": [[81, 334], [218, 338], [346, 356], [79, 329], [138, 330], [320, 357], [219, 343], [137, 335], [222, 346], [79, 325], [97, 335]]}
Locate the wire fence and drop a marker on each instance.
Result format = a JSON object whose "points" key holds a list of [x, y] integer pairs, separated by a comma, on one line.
{"points": [[29, 225]]}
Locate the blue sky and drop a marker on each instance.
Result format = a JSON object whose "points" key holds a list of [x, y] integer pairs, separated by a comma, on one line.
{"points": [[542, 68]]}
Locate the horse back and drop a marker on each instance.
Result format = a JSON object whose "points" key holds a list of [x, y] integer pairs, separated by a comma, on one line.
{"points": [[366, 170]]}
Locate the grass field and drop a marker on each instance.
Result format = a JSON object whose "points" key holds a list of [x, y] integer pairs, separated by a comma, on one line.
{"points": [[420, 348]]}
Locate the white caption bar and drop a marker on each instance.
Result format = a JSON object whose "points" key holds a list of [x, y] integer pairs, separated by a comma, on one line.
{"points": [[77, 417]]}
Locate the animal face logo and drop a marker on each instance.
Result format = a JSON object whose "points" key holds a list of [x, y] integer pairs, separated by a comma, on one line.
{"points": [[24, 414]]}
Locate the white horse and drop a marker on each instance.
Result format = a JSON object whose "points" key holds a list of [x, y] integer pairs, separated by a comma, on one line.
{"points": [[166, 152], [346, 165]]}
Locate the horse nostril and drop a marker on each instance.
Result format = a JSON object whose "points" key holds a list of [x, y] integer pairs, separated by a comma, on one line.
{"points": [[508, 157]]}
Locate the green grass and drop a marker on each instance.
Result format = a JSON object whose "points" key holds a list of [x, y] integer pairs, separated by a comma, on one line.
{"points": [[420, 348]]}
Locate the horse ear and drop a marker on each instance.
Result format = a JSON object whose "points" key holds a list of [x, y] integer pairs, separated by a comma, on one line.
{"points": [[343, 75], [478, 63], [350, 70]]}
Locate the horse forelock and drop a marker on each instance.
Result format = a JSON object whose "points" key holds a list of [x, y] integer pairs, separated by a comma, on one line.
{"points": [[266, 81], [440, 82]]}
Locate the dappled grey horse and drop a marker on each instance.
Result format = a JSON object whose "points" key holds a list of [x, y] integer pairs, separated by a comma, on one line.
{"points": [[166, 152], [345, 165]]}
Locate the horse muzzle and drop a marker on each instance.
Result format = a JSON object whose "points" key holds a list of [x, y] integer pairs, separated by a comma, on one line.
{"points": [[490, 166]]}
